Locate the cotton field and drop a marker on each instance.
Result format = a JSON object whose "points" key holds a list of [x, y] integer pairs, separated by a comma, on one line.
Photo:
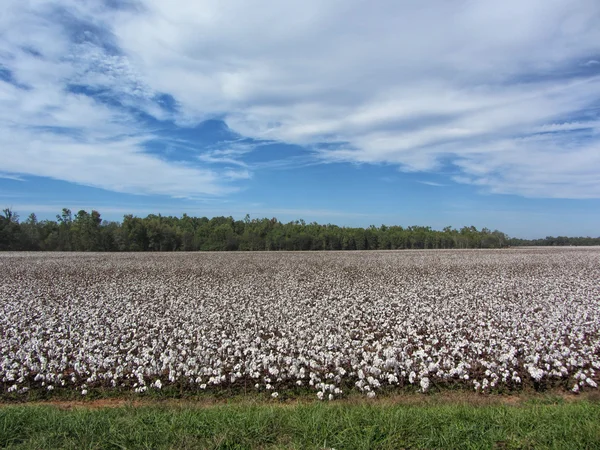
{"points": [[327, 322]]}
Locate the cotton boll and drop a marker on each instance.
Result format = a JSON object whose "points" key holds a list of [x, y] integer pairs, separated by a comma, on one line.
{"points": [[120, 319], [411, 377]]}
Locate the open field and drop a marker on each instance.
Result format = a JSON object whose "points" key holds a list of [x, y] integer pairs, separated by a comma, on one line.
{"points": [[283, 325]]}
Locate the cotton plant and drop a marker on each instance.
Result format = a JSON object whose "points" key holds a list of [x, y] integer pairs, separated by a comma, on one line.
{"points": [[485, 319]]}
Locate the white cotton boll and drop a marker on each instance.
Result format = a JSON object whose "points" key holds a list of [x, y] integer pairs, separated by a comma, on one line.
{"points": [[411, 377], [330, 397], [84, 392], [371, 394], [575, 388], [158, 384], [535, 372], [299, 383], [320, 395], [424, 383], [275, 395], [591, 382], [214, 323]]}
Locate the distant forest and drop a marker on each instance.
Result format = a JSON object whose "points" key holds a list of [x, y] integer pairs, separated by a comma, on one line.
{"points": [[88, 232]]}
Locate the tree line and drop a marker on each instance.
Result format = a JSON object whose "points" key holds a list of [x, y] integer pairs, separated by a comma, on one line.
{"points": [[86, 231]]}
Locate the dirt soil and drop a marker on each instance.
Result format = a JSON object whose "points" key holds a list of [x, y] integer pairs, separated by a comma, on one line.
{"points": [[460, 398]]}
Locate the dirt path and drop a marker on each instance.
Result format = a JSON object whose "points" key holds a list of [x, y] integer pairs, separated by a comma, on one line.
{"points": [[459, 398]]}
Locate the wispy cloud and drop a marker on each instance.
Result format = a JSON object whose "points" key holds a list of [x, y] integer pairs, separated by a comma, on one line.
{"points": [[391, 82], [398, 83], [229, 153], [70, 107], [432, 183], [10, 176]]}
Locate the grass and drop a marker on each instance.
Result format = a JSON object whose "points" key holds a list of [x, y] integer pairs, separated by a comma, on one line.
{"points": [[534, 424]]}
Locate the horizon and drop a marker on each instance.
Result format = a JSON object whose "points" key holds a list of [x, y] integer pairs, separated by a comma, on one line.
{"points": [[20, 218], [346, 113]]}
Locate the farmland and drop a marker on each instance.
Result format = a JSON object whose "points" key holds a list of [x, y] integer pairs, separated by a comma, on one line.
{"points": [[325, 324]]}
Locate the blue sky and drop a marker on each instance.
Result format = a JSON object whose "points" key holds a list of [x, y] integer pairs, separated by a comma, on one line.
{"points": [[445, 112]]}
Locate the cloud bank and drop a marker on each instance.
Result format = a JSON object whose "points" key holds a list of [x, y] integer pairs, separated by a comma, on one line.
{"points": [[502, 96]]}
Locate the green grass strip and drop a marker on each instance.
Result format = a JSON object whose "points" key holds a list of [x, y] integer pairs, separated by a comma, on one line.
{"points": [[312, 426]]}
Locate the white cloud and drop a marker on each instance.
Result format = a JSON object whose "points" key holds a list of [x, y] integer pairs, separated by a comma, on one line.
{"points": [[119, 165], [398, 82], [10, 176], [493, 88], [432, 183], [50, 130], [540, 166]]}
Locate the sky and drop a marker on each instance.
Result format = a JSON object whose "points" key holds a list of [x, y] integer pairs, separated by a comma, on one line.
{"points": [[353, 112]]}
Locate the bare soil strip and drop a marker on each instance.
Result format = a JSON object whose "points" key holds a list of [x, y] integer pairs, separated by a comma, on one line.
{"points": [[450, 398]]}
